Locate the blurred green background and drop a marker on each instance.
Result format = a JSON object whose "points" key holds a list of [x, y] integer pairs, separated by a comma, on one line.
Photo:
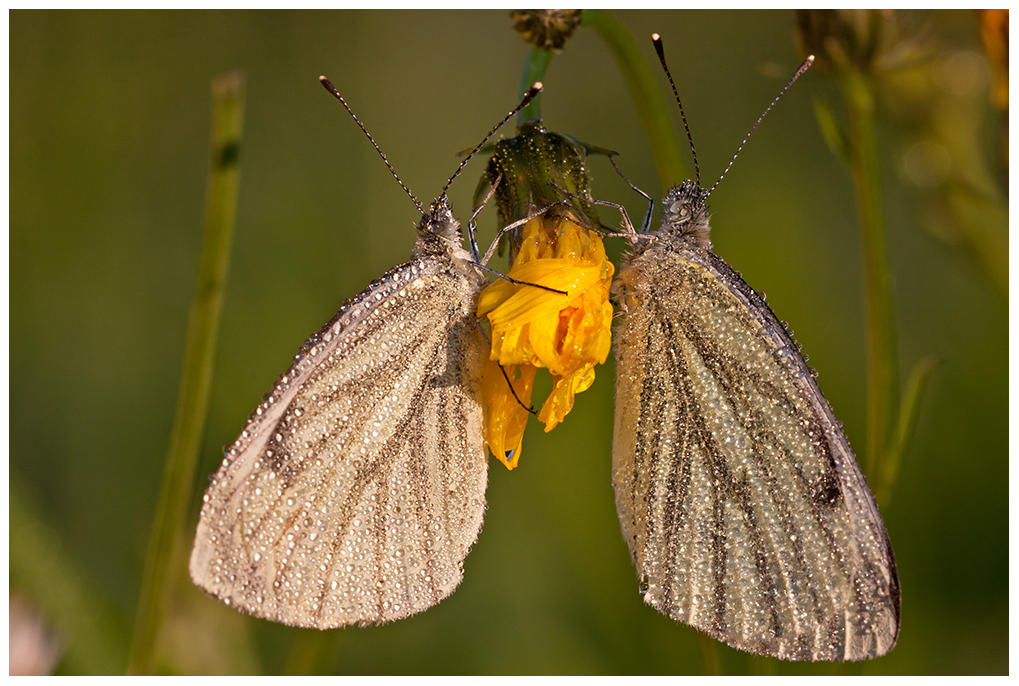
{"points": [[109, 126]]}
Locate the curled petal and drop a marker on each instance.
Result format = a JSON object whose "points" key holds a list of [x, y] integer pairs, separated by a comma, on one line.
{"points": [[505, 416]]}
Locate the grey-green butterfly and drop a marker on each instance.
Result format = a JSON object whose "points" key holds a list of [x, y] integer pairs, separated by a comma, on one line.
{"points": [[738, 494], [357, 487]]}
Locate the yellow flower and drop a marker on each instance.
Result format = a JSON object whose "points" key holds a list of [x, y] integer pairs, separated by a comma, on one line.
{"points": [[532, 327]]}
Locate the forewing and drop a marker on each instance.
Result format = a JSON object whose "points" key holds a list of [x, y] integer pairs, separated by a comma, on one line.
{"points": [[357, 488], [742, 503]]}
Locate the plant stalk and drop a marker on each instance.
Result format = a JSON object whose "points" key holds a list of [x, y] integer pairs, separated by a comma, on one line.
{"points": [[882, 358], [640, 80], [535, 67], [196, 374]]}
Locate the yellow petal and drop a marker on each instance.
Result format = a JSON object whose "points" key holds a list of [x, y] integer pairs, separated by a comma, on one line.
{"points": [[560, 402], [505, 416], [528, 302]]}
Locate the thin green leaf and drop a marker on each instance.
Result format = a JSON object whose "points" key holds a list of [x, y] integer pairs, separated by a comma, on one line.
{"points": [[906, 423], [833, 134], [93, 636]]}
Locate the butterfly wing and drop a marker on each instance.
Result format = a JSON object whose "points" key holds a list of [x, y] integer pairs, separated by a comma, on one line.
{"points": [[738, 494], [357, 487]]}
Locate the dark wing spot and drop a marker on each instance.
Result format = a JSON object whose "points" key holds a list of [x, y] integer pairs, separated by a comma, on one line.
{"points": [[827, 491]]}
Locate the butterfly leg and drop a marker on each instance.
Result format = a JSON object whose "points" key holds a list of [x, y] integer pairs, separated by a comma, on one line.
{"points": [[645, 225], [630, 232], [510, 227], [472, 224]]}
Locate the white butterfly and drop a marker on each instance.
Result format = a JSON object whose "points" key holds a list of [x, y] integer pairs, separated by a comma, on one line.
{"points": [[357, 487], [738, 494]]}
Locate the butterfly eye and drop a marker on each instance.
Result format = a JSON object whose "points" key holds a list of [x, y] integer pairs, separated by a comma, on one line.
{"points": [[684, 211]]}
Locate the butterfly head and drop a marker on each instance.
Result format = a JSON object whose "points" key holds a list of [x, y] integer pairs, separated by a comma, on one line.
{"points": [[440, 222], [686, 214]]}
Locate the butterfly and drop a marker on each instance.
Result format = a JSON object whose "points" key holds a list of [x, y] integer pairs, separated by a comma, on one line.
{"points": [[357, 486], [743, 506]]}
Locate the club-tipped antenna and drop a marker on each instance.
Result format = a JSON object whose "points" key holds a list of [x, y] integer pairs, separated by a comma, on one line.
{"points": [[332, 89], [799, 72], [531, 93], [657, 40]]}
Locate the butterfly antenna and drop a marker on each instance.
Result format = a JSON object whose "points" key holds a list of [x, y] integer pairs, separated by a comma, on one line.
{"points": [[531, 93], [657, 40], [799, 72], [332, 89]]}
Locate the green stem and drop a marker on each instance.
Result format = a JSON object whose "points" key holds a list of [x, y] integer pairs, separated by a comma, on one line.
{"points": [[534, 70], [882, 365], [640, 81], [196, 375]]}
